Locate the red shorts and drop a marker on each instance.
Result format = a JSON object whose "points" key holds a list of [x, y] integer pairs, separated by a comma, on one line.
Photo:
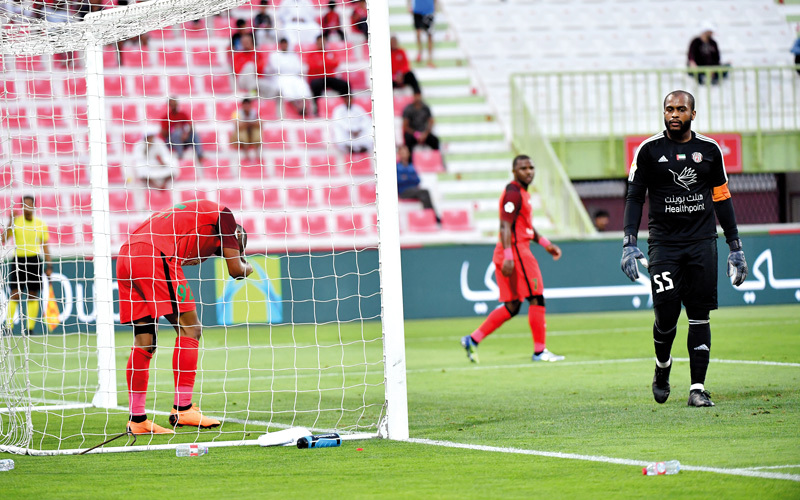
{"points": [[525, 281], [150, 284]]}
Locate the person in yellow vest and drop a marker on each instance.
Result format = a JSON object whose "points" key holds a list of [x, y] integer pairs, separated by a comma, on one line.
{"points": [[30, 237]]}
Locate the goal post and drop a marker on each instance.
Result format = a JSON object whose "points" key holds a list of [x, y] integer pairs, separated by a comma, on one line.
{"points": [[314, 338]]}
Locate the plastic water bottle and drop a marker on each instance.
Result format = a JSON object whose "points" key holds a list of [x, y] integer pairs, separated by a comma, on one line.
{"points": [[320, 441], [662, 468], [191, 450], [6, 464]]}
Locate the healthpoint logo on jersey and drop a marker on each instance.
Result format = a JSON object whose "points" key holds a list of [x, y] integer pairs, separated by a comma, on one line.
{"points": [[509, 207], [686, 178]]}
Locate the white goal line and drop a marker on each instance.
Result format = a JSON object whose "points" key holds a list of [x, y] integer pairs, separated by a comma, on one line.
{"points": [[747, 472]]}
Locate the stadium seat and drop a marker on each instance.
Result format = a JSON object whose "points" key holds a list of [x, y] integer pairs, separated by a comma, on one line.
{"points": [[38, 89], [8, 88], [358, 164], [231, 198], [268, 198], [314, 224], [195, 29], [268, 109], [221, 170], [171, 58], [289, 167], [81, 202], [205, 57], [74, 175], [366, 193], [274, 138], [49, 204], [278, 225], [456, 220], [50, 116], [299, 197], [158, 199], [114, 85], [225, 109], [320, 166], [6, 179], [125, 113], [109, 57], [121, 202], [186, 173], [358, 79], [15, 118], [193, 194], [75, 86], [36, 175], [24, 145], [400, 103], [148, 85], [311, 135], [180, 85], [135, 57], [252, 171], [428, 160], [30, 63], [336, 196], [422, 221], [62, 235], [80, 115], [87, 234], [164, 34], [62, 144], [116, 175], [218, 85], [350, 224]]}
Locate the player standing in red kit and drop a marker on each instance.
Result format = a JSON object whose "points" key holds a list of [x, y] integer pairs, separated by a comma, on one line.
{"points": [[152, 284], [516, 269]]}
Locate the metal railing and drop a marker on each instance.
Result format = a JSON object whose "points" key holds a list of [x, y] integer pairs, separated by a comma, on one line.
{"points": [[613, 104]]}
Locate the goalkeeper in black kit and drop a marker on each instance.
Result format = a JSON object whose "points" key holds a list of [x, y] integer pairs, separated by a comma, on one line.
{"points": [[683, 174]]}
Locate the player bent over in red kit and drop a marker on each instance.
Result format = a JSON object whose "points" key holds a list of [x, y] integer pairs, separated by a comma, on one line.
{"points": [[152, 284], [516, 269]]}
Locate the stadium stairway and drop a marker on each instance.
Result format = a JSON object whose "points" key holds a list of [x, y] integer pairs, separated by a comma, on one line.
{"points": [[475, 147]]}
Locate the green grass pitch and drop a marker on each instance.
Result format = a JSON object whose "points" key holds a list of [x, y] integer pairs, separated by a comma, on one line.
{"points": [[596, 403]]}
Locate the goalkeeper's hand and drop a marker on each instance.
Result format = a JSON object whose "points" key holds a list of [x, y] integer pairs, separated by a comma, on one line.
{"points": [[630, 253], [737, 265]]}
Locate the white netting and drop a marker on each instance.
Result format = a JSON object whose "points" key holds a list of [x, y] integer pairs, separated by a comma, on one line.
{"points": [[294, 345]]}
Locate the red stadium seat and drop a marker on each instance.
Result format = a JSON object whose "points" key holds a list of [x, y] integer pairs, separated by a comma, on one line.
{"points": [[225, 110], [74, 175], [358, 79], [109, 57], [36, 175], [312, 135], [180, 85], [135, 57], [314, 224], [125, 113], [195, 29], [49, 204], [289, 167], [231, 198], [350, 224], [87, 234], [193, 194], [428, 160], [278, 225], [80, 115], [8, 89], [336, 196], [39, 89], [62, 235], [158, 199], [268, 198], [422, 221], [456, 220], [320, 166], [50, 116], [187, 173], [268, 109], [30, 63], [252, 171], [164, 34], [24, 145], [116, 174], [273, 138], [114, 85], [300, 197], [205, 57], [359, 164], [6, 179], [15, 118], [75, 86], [400, 103], [219, 85], [149, 85], [366, 193], [172, 57], [220, 171], [121, 202], [81, 202], [62, 144]]}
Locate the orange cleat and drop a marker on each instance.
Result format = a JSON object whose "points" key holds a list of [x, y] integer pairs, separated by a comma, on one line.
{"points": [[192, 417], [147, 427]]}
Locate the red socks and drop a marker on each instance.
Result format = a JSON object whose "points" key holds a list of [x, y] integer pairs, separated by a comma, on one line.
{"points": [[184, 369], [137, 375], [538, 327], [493, 322]]}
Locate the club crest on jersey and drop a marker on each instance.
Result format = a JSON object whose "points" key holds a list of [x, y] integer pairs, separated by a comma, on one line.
{"points": [[687, 177], [509, 207], [680, 157], [697, 157]]}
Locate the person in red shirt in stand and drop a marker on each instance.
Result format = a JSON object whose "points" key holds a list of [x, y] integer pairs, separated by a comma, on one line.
{"points": [[152, 285], [321, 68], [178, 132], [358, 18], [516, 269], [331, 22], [401, 69]]}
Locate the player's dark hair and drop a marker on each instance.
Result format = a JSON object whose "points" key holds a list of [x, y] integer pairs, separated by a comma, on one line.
{"points": [[683, 92], [29, 197], [519, 158], [601, 213]]}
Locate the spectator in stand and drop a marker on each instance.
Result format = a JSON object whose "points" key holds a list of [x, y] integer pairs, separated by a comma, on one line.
{"points": [[401, 69], [247, 136], [153, 163], [322, 66], [298, 22], [287, 68], [352, 127], [178, 132], [418, 124], [331, 22], [703, 51], [263, 27], [408, 183], [249, 70], [424, 20], [240, 31], [358, 18], [601, 220], [796, 51]]}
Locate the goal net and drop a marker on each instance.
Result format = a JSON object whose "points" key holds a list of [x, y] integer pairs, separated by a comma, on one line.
{"points": [[280, 111]]}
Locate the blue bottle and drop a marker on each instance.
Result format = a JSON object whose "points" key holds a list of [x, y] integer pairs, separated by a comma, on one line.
{"points": [[320, 441]]}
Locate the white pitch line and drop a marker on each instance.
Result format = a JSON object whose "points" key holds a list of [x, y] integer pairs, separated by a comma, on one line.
{"points": [[794, 466], [603, 459]]}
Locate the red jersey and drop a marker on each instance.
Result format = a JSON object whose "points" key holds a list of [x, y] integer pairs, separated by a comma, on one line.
{"points": [[175, 120], [189, 231], [515, 208], [240, 58], [331, 20], [399, 62], [321, 63]]}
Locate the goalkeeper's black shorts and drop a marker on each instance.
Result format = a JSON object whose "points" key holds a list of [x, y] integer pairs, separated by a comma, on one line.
{"points": [[685, 272]]}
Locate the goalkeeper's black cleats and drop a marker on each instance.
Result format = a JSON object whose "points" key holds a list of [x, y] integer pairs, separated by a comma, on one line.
{"points": [[661, 383], [700, 398]]}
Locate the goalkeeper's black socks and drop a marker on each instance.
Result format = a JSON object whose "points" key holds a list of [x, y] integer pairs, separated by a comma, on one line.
{"points": [[699, 344], [137, 419], [663, 343], [183, 408]]}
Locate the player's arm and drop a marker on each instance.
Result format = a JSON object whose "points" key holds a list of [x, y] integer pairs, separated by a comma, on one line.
{"points": [[508, 252], [6, 235], [234, 242], [634, 201], [238, 267], [509, 210], [551, 248], [723, 206], [48, 261]]}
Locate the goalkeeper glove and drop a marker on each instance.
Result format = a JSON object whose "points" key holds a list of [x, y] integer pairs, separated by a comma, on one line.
{"points": [[630, 253], [737, 266]]}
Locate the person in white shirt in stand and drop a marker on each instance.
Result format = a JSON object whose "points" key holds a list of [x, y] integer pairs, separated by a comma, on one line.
{"points": [[154, 165], [352, 127], [288, 70]]}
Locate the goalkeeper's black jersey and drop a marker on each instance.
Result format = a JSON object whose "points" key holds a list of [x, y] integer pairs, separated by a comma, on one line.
{"points": [[679, 178]]}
